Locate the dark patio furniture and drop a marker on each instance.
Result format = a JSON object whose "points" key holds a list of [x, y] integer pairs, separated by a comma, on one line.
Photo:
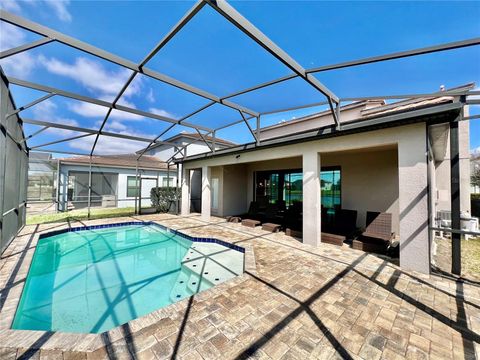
{"points": [[378, 233], [274, 213], [271, 227], [250, 223], [333, 239], [253, 212], [338, 226], [293, 220]]}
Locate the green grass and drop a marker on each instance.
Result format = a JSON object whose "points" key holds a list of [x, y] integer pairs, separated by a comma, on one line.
{"points": [[79, 215], [471, 257]]}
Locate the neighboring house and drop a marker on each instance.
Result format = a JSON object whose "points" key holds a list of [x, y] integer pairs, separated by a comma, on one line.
{"points": [[475, 166], [391, 158], [192, 143], [114, 182], [188, 144], [42, 179]]}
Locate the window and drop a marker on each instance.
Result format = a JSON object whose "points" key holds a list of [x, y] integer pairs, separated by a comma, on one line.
{"points": [[279, 186], [330, 180], [165, 182], [132, 189], [292, 188]]}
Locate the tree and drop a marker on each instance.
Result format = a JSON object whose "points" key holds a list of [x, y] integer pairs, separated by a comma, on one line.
{"points": [[475, 177]]}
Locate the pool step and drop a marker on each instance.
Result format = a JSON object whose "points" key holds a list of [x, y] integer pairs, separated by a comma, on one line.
{"points": [[212, 262], [203, 266], [180, 289], [188, 283]]}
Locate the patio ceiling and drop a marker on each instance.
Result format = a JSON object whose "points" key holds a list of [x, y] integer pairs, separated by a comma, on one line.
{"points": [[245, 114]]}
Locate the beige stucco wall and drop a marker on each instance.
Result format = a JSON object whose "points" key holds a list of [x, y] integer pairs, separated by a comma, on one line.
{"points": [[348, 113], [369, 182], [442, 171], [234, 194]]}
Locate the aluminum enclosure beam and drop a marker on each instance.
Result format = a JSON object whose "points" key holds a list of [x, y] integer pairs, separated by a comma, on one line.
{"points": [[103, 103], [35, 133], [399, 55], [92, 50], [172, 126], [60, 141], [353, 99], [455, 197], [364, 61], [25, 47], [249, 127], [93, 132], [169, 36], [232, 15], [29, 105], [150, 55]]}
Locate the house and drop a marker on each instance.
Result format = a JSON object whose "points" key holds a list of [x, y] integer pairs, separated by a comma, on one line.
{"points": [[42, 169], [188, 144], [384, 157], [114, 181]]}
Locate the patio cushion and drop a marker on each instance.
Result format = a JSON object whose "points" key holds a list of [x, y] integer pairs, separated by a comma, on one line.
{"points": [[332, 239], [271, 227], [250, 223]]}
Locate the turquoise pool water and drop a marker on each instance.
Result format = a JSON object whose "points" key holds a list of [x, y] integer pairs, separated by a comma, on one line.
{"points": [[91, 281]]}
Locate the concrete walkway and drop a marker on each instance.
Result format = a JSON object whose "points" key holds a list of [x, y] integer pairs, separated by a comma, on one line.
{"points": [[300, 302]]}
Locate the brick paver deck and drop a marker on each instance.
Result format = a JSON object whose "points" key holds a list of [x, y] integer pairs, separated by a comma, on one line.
{"points": [[300, 302]]}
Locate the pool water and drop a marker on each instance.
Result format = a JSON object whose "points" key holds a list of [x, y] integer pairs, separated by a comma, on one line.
{"points": [[91, 281]]}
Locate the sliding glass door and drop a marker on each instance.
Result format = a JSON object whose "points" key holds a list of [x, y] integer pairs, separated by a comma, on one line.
{"points": [[331, 188], [286, 186]]}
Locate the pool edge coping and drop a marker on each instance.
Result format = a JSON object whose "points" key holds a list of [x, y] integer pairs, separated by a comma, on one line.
{"points": [[88, 342]]}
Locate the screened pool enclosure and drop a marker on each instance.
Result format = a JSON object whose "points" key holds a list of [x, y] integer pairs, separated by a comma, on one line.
{"points": [[208, 114]]}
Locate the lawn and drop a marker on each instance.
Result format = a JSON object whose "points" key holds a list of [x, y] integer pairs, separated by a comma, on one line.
{"points": [[79, 215], [471, 258]]}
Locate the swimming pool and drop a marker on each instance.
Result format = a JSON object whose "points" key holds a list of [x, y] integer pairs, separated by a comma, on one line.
{"points": [[89, 280]]}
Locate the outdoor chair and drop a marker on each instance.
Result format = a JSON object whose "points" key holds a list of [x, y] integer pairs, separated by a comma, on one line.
{"points": [[378, 234], [293, 220], [274, 213], [253, 212], [342, 227]]}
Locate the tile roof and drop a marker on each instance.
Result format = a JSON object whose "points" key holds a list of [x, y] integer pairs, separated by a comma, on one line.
{"points": [[125, 160]]}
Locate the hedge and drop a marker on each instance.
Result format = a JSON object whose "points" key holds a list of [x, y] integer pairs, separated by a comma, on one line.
{"points": [[163, 197]]}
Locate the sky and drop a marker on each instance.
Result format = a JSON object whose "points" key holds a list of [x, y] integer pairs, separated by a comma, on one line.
{"points": [[211, 54]]}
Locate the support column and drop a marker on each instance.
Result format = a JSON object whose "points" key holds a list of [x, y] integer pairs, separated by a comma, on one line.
{"points": [[206, 193], [455, 198], [311, 199], [185, 209], [413, 201]]}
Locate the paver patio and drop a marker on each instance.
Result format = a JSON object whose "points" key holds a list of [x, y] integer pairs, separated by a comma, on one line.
{"points": [[300, 302]]}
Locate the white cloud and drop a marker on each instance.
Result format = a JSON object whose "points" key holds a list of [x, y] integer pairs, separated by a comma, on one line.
{"points": [[95, 111], [19, 65], [10, 5], [150, 96], [46, 110], [60, 9], [161, 112], [108, 145], [92, 75]]}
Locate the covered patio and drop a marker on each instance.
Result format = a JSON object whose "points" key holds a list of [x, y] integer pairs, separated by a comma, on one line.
{"points": [[379, 171]]}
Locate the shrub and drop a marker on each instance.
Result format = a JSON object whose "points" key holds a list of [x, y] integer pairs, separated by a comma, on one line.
{"points": [[162, 197]]}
